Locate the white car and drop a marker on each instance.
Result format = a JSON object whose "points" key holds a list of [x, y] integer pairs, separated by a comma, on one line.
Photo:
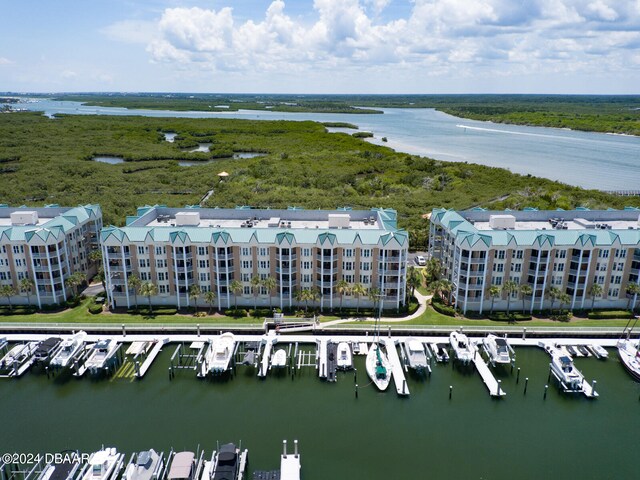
{"points": [[420, 260]]}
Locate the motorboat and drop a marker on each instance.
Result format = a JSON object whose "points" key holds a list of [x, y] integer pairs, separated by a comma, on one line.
{"points": [[497, 349], [3, 342], [345, 359], [378, 367], [18, 356], [279, 358], [146, 465], [220, 352], [183, 466], [104, 464], [630, 357], [462, 347], [573, 351], [569, 376], [101, 354], [416, 355], [583, 350], [440, 352], [66, 470], [227, 464], [47, 349], [68, 350], [599, 351]]}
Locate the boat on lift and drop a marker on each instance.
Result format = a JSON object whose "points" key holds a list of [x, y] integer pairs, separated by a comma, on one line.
{"points": [[462, 348], [104, 464], [345, 358], [629, 354], [497, 349], [599, 351], [46, 350], [569, 376], [228, 463], [145, 465], [279, 358], [19, 356], [440, 352], [101, 355], [65, 470], [378, 367], [68, 350], [220, 353], [416, 355]]}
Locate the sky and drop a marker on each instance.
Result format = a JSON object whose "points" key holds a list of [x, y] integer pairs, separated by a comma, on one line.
{"points": [[321, 46]]}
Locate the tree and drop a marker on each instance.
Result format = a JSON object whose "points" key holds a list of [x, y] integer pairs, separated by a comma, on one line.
{"points": [[433, 269], [446, 289], [633, 289], [74, 280], [210, 297], [357, 291], [343, 288], [236, 287], [269, 283], [134, 284], [194, 294], [595, 291], [564, 298], [509, 287], [374, 295], [26, 286], [494, 292], [148, 289], [256, 283], [554, 294], [7, 291], [95, 256], [414, 280], [525, 291]]}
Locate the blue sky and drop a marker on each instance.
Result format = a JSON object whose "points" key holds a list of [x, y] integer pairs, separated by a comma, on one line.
{"points": [[322, 46]]}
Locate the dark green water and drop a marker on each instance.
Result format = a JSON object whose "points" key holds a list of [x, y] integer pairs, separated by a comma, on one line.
{"points": [[377, 436]]}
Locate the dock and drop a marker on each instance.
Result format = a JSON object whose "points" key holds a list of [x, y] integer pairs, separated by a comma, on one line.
{"points": [[322, 357], [332, 361], [495, 389], [142, 369], [396, 367], [268, 341], [290, 463]]}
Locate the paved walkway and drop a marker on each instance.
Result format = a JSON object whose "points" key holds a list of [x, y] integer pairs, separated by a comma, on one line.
{"points": [[422, 300]]}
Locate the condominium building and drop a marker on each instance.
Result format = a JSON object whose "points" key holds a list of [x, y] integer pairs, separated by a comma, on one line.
{"points": [[569, 250], [46, 245], [299, 249]]}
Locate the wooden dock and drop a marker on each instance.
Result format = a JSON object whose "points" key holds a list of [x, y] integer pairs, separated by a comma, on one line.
{"points": [[323, 353], [268, 341], [495, 389], [396, 367], [150, 358]]}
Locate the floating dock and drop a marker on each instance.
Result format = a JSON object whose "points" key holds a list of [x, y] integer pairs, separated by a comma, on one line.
{"points": [[140, 371], [290, 464], [396, 367], [269, 341], [494, 386], [323, 353]]}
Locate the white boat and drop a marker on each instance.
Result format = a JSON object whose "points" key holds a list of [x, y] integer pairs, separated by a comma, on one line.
{"points": [[18, 355], [104, 464], [416, 355], [599, 351], [564, 370], [68, 350], [183, 467], [462, 347], [101, 353], [345, 359], [497, 349], [279, 358], [440, 352], [59, 471], [220, 352], [146, 465], [630, 357], [378, 367]]}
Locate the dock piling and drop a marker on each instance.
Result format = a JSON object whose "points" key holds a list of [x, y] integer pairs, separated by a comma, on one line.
{"points": [[499, 387], [295, 448], [124, 332], [355, 375], [284, 448], [356, 390], [549, 377], [524, 333], [450, 391], [546, 387], [526, 383], [404, 386], [198, 328], [518, 376]]}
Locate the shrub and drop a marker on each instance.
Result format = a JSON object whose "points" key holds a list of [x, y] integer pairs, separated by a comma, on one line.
{"points": [[18, 310], [608, 314], [72, 302], [512, 317], [200, 314], [236, 313], [261, 313], [440, 307], [95, 309]]}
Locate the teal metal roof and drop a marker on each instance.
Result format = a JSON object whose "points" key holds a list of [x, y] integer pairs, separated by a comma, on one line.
{"points": [[64, 221]]}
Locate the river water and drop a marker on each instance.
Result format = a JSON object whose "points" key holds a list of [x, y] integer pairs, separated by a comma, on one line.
{"points": [[589, 160], [376, 436]]}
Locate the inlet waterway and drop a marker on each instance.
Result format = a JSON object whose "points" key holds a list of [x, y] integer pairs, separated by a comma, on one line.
{"points": [[376, 436], [585, 159]]}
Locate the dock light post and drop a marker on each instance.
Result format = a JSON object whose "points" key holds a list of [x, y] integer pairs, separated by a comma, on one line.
{"points": [[526, 383], [499, 387], [524, 333], [546, 387], [450, 391], [356, 390], [518, 376], [124, 332]]}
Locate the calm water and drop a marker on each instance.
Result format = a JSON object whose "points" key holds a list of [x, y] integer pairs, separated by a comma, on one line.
{"points": [[377, 436], [590, 160]]}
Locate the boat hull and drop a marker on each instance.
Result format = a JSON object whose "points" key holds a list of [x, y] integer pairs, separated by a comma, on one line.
{"points": [[382, 383], [629, 360]]}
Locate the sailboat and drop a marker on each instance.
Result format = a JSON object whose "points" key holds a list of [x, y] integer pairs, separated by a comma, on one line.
{"points": [[629, 352], [377, 363]]}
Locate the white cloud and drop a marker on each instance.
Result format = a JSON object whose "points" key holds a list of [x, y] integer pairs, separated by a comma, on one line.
{"points": [[444, 36], [131, 31], [5, 61]]}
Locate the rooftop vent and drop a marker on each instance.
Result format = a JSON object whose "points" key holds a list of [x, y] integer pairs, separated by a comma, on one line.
{"points": [[24, 218], [502, 222], [339, 220], [191, 219]]}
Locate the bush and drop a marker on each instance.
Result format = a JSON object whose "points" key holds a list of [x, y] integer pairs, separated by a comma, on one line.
{"points": [[261, 313], [512, 317], [54, 307], [200, 314], [562, 317], [236, 313], [440, 307], [72, 302], [18, 310], [95, 309], [155, 311], [608, 314]]}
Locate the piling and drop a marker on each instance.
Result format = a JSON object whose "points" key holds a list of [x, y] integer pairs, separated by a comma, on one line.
{"points": [[295, 448], [170, 374], [526, 383], [450, 391], [549, 377], [404, 386], [546, 387], [355, 375], [284, 448], [518, 376], [137, 365], [499, 387], [46, 369], [124, 332], [524, 333], [198, 328], [593, 386], [356, 390]]}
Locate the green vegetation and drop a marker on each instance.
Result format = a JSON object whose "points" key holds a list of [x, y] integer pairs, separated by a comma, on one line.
{"points": [[362, 135], [50, 162], [340, 125]]}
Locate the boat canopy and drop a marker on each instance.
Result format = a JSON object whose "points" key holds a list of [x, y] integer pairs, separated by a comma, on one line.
{"points": [[415, 346], [181, 465]]}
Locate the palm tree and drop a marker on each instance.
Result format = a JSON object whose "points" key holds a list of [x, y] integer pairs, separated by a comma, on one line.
{"points": [[525, 291], [194, 294], [26, 286], [269, 283], [433, 269], [343, 288], [494, 292], [7, 291], [414, 279], [374, 295], [74, 280], [148, 289], [633, 289], [255, 289], [134, 284], [595, 291], [236, 287], [357, 291], [564, 299], [314, 294], [299, 296], [446, 289], [509, 287], [554, 294], [210, 297]]}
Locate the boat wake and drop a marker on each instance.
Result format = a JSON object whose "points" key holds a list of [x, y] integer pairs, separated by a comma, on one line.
{"points": [[511, 132]]}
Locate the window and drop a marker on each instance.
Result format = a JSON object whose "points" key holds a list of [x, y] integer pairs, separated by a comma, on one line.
{"points": [[365, 266], [162, 276], [245, 251], [500, 254], [247, 264], [18, 249], [141, 250], [519, 254], [162, 289], [306, 278], [347, 265], [161, 251], [498, 267], [306, 265], [144, 276], [516, 267], [561, 254], [621, 253], [364, 279], [245, 277], [600, 279], [205, 277], [497, 281], [366, 253], [306, 252], [515, 279], [144, 263], [603, 253], [614, 292], [161, 263], [264, 264], [348, 278], [616, 279], [246, 290], [620, 266], [348, 252], [202, 250], [203, 264]]}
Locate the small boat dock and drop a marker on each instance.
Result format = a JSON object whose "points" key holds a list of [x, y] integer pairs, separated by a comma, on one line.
{"points": [[290, 464], [494, 386], [396, 367], [268, 342]]}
